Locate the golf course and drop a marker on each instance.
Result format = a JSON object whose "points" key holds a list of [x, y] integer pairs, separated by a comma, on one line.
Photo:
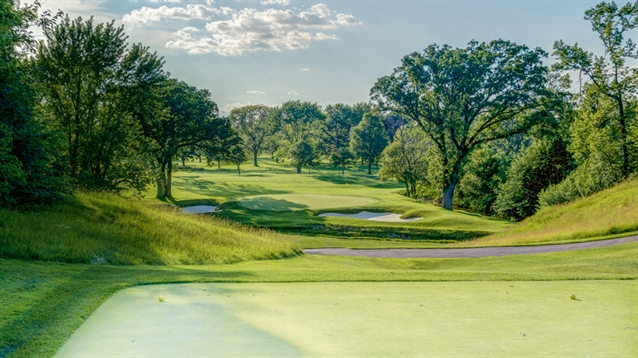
{"points": [[277, 178], [260, 293]]}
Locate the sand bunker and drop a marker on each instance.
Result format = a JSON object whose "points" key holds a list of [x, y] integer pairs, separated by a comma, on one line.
{"points": [[366, 215], [199, 209]]}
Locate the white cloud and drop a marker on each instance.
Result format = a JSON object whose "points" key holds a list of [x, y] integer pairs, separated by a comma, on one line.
{"points": [[275, 2], [250, 30], [305, 69], [190, 12], [255, 92], [165, 0], [293, 93]]}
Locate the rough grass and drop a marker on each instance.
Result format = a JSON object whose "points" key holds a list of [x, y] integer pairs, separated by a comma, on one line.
{"points": [[610, 212], [106, 229]]}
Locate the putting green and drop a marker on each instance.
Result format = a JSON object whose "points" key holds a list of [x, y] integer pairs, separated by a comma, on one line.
{"points": [[287, 202], [495, 319]]}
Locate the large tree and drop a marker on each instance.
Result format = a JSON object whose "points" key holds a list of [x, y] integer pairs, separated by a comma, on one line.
{"points": [[296, 122], [368, 138], [252, 124], [465, 97], [92, 81], [608, 74], [26, 173], [335, 130], [190, 118]]}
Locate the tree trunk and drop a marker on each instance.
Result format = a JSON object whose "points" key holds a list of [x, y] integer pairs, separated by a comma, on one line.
{"points": [[160, 188], [370, 166], [448, 194], [623, 131], [255, 158], [298, 169], [407, 189], [277, 160], [183, 161], [200, 158], [219, 164], [238, 170], [169, 180]]}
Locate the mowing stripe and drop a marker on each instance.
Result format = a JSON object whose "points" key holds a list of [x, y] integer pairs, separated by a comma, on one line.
{"points": [[470, 252]]}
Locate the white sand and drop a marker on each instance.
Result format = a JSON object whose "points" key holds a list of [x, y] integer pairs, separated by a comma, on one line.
{"points": [[199, 209], [366, 215]]}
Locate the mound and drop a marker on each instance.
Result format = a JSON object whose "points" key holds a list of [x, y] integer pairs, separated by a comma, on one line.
{"points": [[289, 202], [366, 215]]}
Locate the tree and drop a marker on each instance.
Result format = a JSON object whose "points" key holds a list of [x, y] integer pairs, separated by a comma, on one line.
{"points": [[236, 154], [91, 83], [189, 118], [335, 130], [465, 97], [480, 180], [608, 74], [341, 158], [296, 122], [302, 155], [27, 173], [252, 124], [405, 159], [368, 138]]}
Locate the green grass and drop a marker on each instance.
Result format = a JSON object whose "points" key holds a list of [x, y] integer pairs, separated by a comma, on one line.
{"points": [[611, 212], [337, 319], [44, 302], [106, 229], [273, 196]]}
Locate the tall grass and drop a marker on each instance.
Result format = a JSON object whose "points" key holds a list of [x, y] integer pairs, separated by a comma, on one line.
{"points": [[609, 212], [106, 229]]}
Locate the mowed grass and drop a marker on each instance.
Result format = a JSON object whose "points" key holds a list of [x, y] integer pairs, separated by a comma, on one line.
{"points": [[44, 302], [612, 212], [274, 196], [363, 319], [107, 229]]}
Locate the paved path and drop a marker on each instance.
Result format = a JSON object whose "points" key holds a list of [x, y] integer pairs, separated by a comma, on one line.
{"points": [[469, 253]]}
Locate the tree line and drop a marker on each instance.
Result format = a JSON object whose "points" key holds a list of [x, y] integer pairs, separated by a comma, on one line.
{"points": [[489, 127]]}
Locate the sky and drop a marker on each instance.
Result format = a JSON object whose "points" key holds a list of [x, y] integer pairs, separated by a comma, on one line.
{"points": [[271, 51]]}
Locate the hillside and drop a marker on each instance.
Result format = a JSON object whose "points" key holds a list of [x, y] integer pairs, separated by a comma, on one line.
{"points": [[610, 212], [107, 229]]}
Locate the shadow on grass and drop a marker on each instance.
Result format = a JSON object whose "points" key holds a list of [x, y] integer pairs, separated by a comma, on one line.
{"points": [[370, 181]]}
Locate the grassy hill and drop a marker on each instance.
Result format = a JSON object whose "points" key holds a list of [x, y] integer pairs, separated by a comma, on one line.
{"points": [[612, 212], [107, 229]]}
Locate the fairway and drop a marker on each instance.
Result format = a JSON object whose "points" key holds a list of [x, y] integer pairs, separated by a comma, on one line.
{"points": [[288, 202], [496, 319]]}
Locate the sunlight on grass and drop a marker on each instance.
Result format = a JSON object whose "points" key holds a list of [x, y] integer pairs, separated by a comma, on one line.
{"points": [[103, 228]]}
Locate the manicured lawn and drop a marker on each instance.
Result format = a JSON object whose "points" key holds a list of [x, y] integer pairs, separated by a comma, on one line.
{"points": [[44, 302], [274, 196], [363, 319]]}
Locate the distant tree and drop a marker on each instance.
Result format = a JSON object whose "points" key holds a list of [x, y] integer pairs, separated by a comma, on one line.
{"points": [[405, 159], [27, 175], [368, 138], [465, 97], [302, 155], [91, 83], [252, 124], [608, 74], [341, 158], [296, 122], [335, 130], [236, 154]]}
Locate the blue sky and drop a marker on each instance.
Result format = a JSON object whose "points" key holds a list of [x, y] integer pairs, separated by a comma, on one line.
{"points": [[270, 51]]}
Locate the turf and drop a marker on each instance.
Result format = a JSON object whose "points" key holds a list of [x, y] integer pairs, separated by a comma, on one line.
{"points": [[352, 319], [610, 212], [107, 229], [44, 302], [273, 196]]}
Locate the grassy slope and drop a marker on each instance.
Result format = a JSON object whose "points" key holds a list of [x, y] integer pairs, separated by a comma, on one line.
{"points": [[608, 213], [44, 302], [103, 228], [260, 195]]}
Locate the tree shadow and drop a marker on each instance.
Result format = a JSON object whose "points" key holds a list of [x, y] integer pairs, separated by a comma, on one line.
{"points": [[371, 182], [271, 204]]}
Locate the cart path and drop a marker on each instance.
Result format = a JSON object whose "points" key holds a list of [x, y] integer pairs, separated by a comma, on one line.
{"points": [[471, 252]]}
